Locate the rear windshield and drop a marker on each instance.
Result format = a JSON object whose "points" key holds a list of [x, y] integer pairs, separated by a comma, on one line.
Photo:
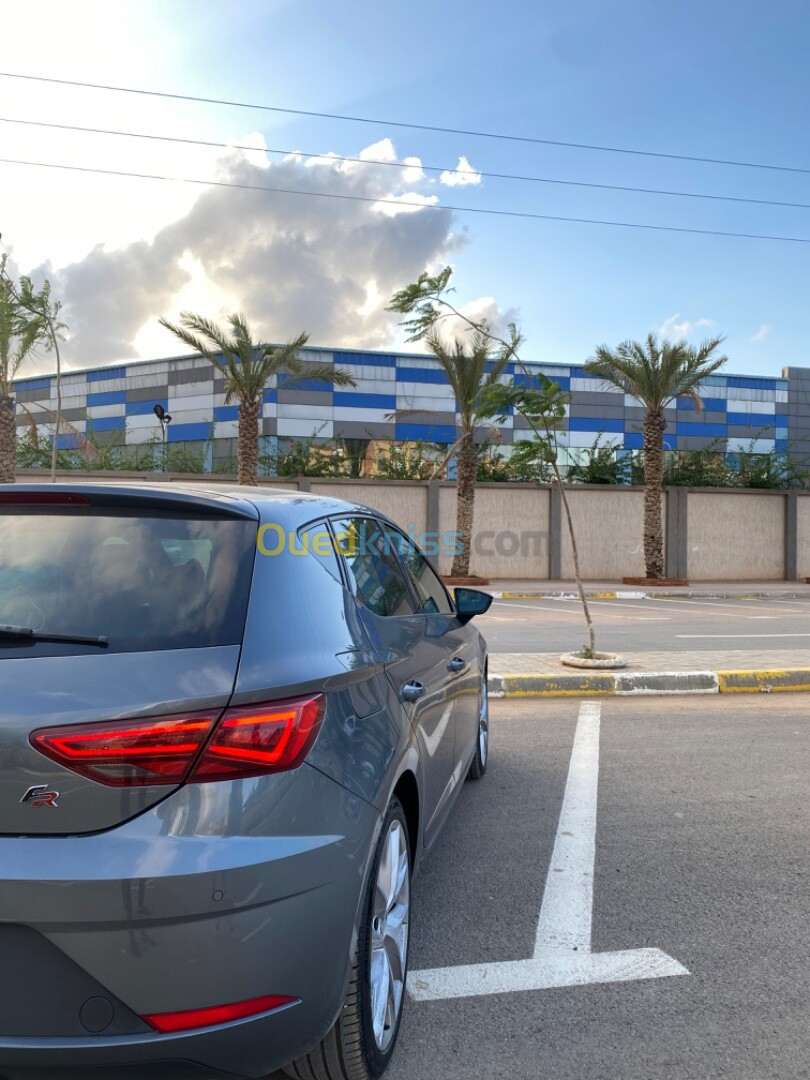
{"points": [[145, 581]]}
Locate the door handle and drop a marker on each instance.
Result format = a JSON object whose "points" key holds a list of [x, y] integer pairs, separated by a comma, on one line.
{"points": [[456, 664], [412, 690]]}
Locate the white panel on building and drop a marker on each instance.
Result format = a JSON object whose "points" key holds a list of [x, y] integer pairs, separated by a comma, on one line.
{"points": [[302, 429]]}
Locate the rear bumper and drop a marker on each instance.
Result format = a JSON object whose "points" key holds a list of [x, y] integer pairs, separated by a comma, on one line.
{"points": [[190, 905]]}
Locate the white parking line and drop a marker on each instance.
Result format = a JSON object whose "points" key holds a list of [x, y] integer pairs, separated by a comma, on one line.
{"points": [[562, 952], [751, 636]]}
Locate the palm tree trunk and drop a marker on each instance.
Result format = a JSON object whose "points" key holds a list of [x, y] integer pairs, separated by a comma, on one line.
{"points": [[465, 502], [8, 439], [654, 427], [247, 447]]}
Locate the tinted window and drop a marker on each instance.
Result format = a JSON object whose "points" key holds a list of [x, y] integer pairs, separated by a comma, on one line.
{"points": [[143, 581], [426, 584], [373, 566], [316, 541]]}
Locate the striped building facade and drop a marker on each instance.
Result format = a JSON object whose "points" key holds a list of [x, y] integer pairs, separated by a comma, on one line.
{"points": [[116, 405]]}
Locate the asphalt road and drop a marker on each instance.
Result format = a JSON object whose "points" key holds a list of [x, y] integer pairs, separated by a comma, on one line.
{"points": [[701, 851], [553, 625]]}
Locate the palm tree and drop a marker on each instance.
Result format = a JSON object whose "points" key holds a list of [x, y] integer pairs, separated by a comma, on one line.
{"points": [[20, 333], [470, 369], [247, 365], [656, 373]]}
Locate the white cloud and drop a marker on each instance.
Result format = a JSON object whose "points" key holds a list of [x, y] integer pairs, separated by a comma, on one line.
{"points": [[484, 308], [414, 173], [289, 261], [762, 333], [673, 330], [461, 176]]}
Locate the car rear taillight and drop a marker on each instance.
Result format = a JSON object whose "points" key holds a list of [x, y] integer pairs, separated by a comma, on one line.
{"points": [[260, 739], [166, 1023], [272, 737], [131, 752]]}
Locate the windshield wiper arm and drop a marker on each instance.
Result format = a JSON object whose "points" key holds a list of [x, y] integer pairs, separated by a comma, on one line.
{"points": [[24, 632]]}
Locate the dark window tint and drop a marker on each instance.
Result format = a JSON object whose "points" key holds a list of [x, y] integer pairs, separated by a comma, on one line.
{"points": [[143, 581], [316, 541], [432, 594], [373, 566]]}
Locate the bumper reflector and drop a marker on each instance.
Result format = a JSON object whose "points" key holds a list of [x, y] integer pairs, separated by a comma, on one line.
{"points": [[166, 1023]]}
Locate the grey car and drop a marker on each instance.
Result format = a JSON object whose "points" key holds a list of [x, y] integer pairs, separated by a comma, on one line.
{"points": [[232, 723]]}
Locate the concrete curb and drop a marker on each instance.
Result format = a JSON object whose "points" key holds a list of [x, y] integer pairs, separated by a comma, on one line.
{"points": [[622, 594], [623, 683]]}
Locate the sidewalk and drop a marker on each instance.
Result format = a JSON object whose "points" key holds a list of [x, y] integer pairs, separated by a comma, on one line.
{"points": [[522, 588], [727, 672]]}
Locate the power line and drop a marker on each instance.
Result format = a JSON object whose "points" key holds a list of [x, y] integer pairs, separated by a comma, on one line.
{"points": [[404, 202], [411, 126], [404, 165]]}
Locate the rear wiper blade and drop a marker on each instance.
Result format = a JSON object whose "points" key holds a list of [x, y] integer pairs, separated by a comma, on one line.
{"points": [[24, 632]]}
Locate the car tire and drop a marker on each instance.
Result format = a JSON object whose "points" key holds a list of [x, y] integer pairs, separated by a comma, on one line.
{"points": [[481, 756], [362, 1040]]}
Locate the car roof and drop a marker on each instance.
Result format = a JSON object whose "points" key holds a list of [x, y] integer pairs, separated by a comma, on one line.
{"points": [[235, 500]]}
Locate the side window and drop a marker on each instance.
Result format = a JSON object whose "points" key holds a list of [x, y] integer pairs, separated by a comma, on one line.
{"points": [[315, 541], [430, 591], [373, 566]]}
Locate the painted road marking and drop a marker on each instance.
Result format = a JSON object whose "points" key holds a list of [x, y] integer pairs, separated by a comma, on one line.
{"points": [[725, 636], [562, 950]]}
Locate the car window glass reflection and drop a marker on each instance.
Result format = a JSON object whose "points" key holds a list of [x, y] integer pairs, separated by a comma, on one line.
{"points": [[373, 566]]}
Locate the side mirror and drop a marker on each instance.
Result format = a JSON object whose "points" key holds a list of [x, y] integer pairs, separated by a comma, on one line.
{"points": [[471, 602]]}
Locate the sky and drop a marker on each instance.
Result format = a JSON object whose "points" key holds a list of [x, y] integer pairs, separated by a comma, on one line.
{"points": [[701, 79]]}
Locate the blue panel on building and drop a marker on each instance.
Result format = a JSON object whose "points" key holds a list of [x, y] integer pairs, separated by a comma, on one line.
{"points": [[108, 397], [226, 412], [741, 419], [107, 423], [142, 408], [65, 442], [594, 424], [33, 384], [745, 382], [709, 431], [634, 440], [269, 396], [348, 399], [189, 432], [412, 374], [106, 373], [426, 432], [781, 446]]}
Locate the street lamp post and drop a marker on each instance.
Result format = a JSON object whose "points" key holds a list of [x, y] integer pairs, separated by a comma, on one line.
{"points": [[165, 420]]}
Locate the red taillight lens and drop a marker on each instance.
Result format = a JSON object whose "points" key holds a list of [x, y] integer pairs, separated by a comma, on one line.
{"points": [[249, 741], [218, 1014], [129, 753], [261, 739]]}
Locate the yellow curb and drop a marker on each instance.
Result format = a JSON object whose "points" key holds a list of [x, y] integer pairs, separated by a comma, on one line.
{"points": [[600, 596], [755, 682]]}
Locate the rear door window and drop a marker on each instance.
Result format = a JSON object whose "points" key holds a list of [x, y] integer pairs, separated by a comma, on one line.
{"points": [[372, 566], [432, 595], [143, 580]]}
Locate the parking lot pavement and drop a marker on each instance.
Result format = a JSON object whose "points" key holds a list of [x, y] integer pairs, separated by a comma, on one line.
{"points": [[553, 625], [700, 853]]}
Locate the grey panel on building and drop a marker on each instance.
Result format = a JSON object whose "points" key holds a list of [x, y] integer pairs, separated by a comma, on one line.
{"points": [[359, 429], [597, 412], [759, 431], [591, 397], [304, 397], [269, 425], [149, 393], [191, 375], [33, 395], [701, 442]]}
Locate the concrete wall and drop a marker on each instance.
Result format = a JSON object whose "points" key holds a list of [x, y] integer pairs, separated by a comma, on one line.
{"points": [[519, 530], [608, 526], [803, 537], [510, 530], [402, 501], [736, 536]]}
